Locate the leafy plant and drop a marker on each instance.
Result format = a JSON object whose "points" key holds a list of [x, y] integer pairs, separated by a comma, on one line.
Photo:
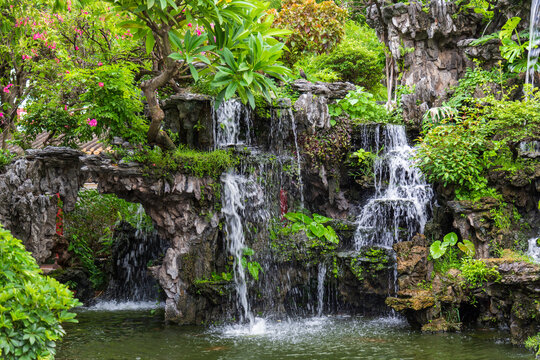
{"points": [[476, 272], [360, 106], [32, 306], [533, 343], [6, 157], [438, 248], [316, 26], [312, 227], [253, 267]]}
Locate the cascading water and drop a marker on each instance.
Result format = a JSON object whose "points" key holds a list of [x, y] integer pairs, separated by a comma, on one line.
{"points": [[402, 198], [320, 288], [534, 42], [233, 206], [534, 249], [232, 124], [298, 161], [134, 248]]}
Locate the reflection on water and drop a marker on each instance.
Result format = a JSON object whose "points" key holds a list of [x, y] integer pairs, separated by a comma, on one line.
{"points": [[142, 335]]}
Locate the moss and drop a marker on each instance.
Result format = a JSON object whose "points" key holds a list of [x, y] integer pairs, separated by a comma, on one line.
{"points": [[368, 262]]}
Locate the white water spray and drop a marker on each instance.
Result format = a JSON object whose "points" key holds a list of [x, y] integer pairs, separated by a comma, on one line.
{"points": [[402, 198], [228, 121], [320, 288], [534, 42]]}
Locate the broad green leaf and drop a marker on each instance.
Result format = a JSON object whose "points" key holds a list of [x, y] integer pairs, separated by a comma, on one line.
{"points": [[467, 247], [437, 249], [450, 239]]}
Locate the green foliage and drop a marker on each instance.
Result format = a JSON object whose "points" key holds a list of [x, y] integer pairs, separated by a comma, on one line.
{"points": [[106, 94], [253, 267], [533, 343], [316, 27], [360, 105], [444, 255], [358, 58], [89, 228], [322, 239], [198, 163], [6, 157], [513, 51], [368, 262], [354, 61], [32, 306], [476, 273], [361, 163]]}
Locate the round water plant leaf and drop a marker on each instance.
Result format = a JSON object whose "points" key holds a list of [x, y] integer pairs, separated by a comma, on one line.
{"points": [[437, 249], [450, 239], [467, 247]]}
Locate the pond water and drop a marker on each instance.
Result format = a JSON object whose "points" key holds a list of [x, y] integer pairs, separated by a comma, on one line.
{"points": [[141, 335]]}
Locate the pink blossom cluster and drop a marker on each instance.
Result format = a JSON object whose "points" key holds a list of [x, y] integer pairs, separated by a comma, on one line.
{"points": [[6, 89], [91, 122]]}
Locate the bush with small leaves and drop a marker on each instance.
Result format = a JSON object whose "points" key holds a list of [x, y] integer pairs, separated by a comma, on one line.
{"points": [[32, 306]]}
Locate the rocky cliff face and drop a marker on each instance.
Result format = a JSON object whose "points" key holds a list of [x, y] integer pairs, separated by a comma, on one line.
{"points": [[429, 45]]}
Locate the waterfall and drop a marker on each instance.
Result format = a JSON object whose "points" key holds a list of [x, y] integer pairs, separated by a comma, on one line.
{"points": [[298, 162], [534, 249], [233, 206], [134, 249], [320, 288], [534, 42], [232, 124], [402, 198]]}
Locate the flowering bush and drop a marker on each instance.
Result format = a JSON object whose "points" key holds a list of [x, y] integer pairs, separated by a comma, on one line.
{"points": [[316, 27]]}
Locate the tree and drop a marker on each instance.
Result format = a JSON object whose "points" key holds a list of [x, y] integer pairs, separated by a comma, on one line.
{"points": [[188, 38], [52, 60]]}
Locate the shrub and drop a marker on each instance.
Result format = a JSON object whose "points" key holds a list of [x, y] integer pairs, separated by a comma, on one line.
{"points": [[358, 58], [316, 27], [355, 62], [476, 272], [32, 306], [5, 157], [360, 106]]}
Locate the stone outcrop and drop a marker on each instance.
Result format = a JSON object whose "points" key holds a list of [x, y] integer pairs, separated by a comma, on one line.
{"points": [[446, 302], [28, 189], [429, 45], [190, 116]]}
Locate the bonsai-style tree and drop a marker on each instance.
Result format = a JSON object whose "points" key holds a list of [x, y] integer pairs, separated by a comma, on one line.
{"points": [[231, 40]]}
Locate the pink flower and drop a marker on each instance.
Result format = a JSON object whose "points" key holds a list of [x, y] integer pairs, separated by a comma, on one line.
{"points": [[67, 71], [6, 90], [76, 48], [65, 107], [1, 114], [91, 122], [198, 32], [101, 84], [99, 63], [189, 25]]}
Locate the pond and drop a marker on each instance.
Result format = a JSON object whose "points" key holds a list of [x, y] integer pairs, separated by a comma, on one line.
{"points": [[142, 334]]}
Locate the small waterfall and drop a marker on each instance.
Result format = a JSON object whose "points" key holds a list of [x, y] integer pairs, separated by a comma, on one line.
{"points": [[232, 124], [402, 198], [534, 249], [233, 206], [134, 249], [534, 42], [298, 161], [320, 288]]}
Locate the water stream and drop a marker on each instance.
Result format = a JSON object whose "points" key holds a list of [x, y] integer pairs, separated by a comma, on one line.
{"points": [[320, 288], [401, 204], [534, 42], [232, 124], [233, 206]]}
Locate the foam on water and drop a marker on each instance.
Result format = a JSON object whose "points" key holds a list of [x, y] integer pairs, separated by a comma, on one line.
{"points": [[534, 249], [124, 305]]}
